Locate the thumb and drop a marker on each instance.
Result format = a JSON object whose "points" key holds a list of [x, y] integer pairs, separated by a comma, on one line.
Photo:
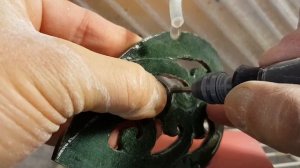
{"points": [[47, 80], [267, 111], [120, 87]]}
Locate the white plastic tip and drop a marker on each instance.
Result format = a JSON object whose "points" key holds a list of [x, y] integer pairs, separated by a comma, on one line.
{"points": [[177, 22], [175, 33], [176, 15]]}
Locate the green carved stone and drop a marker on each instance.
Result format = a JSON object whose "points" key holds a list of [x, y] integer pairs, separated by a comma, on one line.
{"points": [[85, 144]]}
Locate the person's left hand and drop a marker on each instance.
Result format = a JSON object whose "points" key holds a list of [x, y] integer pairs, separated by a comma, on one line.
{"points": [[54, 64]]}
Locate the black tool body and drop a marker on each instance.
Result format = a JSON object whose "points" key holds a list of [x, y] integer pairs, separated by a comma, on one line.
{"points": [[214, 87]]}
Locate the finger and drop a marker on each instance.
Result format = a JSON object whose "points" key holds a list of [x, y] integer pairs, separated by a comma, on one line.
{"points": [[267, 111], [118, 86], [66, 20], [217, 114], [287, 48]]}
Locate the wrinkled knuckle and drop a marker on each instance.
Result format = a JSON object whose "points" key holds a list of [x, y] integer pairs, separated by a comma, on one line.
{"points": [[136, 91], [144, 93], [83, 28]]}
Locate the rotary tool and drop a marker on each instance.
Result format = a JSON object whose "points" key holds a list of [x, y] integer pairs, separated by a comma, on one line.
{"points": [[213, 87]]}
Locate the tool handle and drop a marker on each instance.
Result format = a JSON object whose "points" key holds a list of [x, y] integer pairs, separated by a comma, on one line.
{"points": [[214, 87], [282, 72]]}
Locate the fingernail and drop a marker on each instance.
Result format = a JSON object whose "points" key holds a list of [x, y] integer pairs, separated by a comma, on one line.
{"points": [[237, 105]]}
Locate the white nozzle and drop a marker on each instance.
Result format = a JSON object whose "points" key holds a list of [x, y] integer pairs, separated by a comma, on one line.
{"points": [[176, 18], [176, 13], [175, 33]]}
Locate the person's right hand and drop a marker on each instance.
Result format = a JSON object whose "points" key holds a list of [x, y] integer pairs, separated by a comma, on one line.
{"points": [[47, 75], [268, 111]]}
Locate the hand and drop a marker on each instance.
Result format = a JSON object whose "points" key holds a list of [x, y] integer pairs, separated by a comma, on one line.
{"points": [[47, 76], [267, 111]]}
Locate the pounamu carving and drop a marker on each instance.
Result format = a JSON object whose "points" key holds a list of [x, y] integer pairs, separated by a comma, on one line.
{"points": [[85, 144]]}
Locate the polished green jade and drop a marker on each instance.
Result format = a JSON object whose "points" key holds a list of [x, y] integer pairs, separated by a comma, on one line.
{"points": [[85, 144]]}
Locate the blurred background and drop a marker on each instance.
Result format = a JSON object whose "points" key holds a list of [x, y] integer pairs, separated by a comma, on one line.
{"points": [[240, 31]]}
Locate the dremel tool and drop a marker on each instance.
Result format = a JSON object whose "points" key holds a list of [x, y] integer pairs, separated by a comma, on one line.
{"points": [[214, 87]]}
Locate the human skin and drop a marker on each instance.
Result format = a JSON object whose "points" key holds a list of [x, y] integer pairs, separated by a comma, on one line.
{"points": [[54, 63], [267, 111]]}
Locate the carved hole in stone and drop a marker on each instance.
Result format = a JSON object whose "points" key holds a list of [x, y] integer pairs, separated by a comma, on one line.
{"points": [[192, 72], [164, 142], [171, 80], [114, 136], [192, 64], [113, 141], [198, 142]]}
